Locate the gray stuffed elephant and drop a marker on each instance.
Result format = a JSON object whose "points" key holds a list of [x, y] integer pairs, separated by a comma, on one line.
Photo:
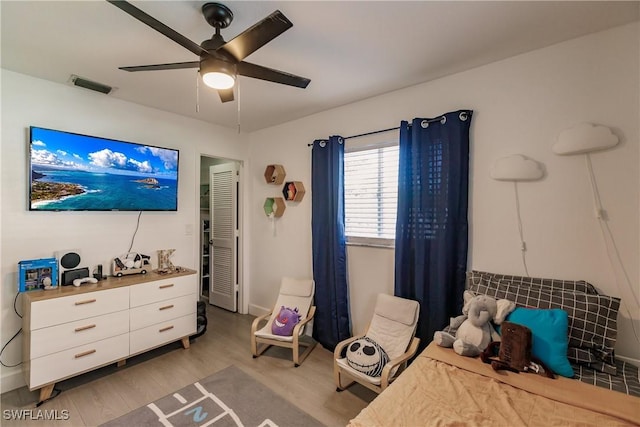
{"points": [[470, 333]]}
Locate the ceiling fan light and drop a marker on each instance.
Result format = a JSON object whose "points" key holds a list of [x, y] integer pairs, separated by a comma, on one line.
{"points": [[218, 80]]}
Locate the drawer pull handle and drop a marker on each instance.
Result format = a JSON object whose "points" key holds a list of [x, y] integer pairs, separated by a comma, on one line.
{"points": [[87, 301], [166, 307], [84, 328], [166, 286], [166, 329], [84, 353]]}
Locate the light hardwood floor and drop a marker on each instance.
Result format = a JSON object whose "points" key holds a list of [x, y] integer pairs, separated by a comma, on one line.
{"points": [[107, 393]]}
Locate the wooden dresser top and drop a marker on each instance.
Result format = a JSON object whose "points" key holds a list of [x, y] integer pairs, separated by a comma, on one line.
{"points": [[110, 282]]}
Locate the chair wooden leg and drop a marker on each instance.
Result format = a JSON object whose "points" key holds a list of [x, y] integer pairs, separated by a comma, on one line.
{"points": [[309, 348], [338, 380], [257, 349], [254, 346]]}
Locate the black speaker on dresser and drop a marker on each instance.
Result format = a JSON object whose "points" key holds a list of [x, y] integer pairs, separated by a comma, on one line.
{"points": [[201, 319], [69, 266]]}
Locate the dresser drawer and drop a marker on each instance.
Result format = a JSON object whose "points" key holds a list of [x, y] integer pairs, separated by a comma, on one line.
{"points": [[161, 290], [75, 307], [162, 333], [51, 368], [68, 335], [151, 314]]}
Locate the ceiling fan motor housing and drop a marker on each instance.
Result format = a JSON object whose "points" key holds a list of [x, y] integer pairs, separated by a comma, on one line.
{"points": [[211, 64]]}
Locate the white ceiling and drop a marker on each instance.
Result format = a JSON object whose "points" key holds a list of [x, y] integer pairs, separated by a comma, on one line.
{"points": [[349, 50]]}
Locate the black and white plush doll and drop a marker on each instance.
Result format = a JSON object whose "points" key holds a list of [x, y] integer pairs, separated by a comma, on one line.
{"points": [[366, 356]]}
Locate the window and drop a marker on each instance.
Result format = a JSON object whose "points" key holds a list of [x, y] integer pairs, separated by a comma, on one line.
{"points": [[371, 193]]}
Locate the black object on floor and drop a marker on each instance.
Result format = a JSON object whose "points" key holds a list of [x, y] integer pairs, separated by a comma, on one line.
{"points": [[201, 319]]}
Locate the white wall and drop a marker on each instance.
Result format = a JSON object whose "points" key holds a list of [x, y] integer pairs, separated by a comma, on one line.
{"points": [[100, 235], [521, 105]]}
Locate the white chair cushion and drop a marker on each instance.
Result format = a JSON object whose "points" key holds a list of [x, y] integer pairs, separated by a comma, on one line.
{"points": [[357, 374], [393, 323], [397, 309], [266, 333], [296, 287]]}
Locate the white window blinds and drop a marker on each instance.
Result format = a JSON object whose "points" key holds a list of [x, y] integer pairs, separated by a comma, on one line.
{"points": [[371, 193]]}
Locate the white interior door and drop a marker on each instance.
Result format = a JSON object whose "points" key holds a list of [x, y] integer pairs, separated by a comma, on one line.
{"points": [[223, 207]]}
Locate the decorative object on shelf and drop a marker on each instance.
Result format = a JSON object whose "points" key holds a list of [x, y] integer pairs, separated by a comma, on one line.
{"points": [[274, 174], [164, 263], [274, 207], [293, 191], [130, 263]]}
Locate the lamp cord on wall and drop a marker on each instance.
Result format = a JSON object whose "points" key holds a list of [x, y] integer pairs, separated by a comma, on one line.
{"points": [[605, 230], [523, 245], [13, 337], [135, 231]]}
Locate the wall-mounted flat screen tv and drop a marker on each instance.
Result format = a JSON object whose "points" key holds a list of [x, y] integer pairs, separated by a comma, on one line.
{"points": [[72, 172]]}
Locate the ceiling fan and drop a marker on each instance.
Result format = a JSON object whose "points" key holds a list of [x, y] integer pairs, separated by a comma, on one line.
{"points": [[220, 62]]}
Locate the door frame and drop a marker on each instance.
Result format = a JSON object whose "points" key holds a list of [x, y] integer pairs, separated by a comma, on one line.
{"points": [[243, 221]]}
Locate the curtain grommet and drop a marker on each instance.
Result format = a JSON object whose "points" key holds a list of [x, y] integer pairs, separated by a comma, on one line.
{"points": [[463, 116], [323, 144], [443, 120], [424, 124], [340, 140]]}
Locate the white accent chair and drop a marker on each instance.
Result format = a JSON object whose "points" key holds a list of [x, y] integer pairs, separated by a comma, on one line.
{"points": [[393, 327], [293, 293]]}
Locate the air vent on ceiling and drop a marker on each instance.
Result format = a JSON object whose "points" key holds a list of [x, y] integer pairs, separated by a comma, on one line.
{"points": [[88, 84]]}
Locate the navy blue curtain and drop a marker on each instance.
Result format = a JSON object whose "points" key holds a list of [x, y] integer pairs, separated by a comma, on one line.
{"points": [[432, 227], [332, 321]]}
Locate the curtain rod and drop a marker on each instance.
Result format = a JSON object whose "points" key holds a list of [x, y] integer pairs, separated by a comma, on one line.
{"points": [[372, 133], [437, 119]]}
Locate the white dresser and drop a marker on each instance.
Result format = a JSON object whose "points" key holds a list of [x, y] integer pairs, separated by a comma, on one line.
{"points": [[69, 331]]}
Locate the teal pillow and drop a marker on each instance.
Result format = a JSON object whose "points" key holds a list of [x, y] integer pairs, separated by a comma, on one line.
{"points": [[549, 332]]}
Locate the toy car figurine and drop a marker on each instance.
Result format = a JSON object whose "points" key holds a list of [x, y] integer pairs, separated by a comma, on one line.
{"points": [[130, 263]]}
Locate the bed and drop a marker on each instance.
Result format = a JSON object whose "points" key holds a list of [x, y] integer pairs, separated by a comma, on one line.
{"points": [[441, 388]]}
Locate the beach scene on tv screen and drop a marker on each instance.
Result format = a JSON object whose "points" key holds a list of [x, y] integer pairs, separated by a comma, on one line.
{"points": [[78, 172]]}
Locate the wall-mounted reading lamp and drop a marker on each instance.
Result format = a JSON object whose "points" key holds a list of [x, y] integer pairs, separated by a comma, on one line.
{"points": [[585, 138], [517, 168]]}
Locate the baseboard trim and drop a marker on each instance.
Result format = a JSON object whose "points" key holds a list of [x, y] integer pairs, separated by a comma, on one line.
{"points": [[12, 381], [257, 310]]}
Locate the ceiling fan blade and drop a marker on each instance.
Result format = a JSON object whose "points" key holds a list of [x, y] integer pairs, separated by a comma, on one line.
{"points": [[172, 66], [226, 95], [258, 35], [263, 73], [158, 26]]}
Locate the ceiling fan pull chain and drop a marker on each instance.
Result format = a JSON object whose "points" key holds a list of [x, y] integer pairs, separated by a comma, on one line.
{"points": [[197, 93], [238, 85]]}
